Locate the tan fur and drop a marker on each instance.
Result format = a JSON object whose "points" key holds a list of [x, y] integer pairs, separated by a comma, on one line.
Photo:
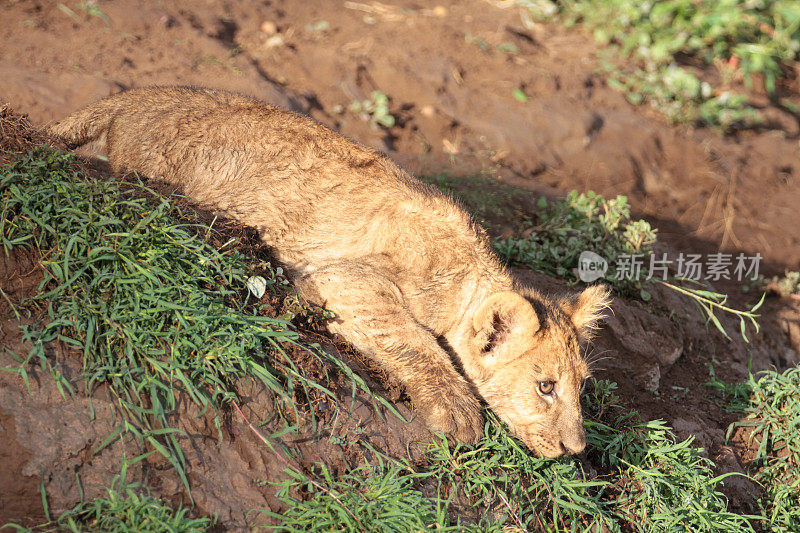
{"points": [[411, 278]]}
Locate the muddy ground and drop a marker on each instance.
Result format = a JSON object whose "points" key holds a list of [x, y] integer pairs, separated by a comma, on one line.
{"points": [[455, 113]]}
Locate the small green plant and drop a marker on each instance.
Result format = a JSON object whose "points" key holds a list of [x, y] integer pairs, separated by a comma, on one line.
{"points": [[375, 110], [504, 48], [787, 285], [773, 418], [508, 48], [710, 302], [478, 41], [666, 40], [367, 498], [320, 26], [736, 396], [125, 508], [91, 8], [681, 96], [565, 228]]}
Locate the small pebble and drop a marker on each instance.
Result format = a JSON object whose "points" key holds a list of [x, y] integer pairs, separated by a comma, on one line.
{"points": [[275, 40], [269, 28], [427, 111]]}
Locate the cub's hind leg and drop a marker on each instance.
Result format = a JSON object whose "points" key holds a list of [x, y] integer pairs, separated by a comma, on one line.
{"points": [[372, 315]]}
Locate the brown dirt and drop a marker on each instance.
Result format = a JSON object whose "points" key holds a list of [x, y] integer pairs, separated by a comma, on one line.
{"points": [[453, 101], [456, 113]]}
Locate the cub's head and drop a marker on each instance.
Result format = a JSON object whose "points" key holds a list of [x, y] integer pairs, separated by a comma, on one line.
{"points": [[527, 364]]}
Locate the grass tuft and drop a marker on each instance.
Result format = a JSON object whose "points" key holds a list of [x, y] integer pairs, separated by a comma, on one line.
{"points": [[374, 110], [125, 509], [368, 498], [735, 396], [773, 418], [650, 482]]}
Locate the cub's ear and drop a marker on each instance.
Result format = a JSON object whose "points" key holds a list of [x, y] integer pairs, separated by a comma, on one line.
{"points": [[503, 324], [587, 309]]}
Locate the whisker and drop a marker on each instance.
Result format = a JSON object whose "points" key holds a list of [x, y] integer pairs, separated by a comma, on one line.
{"points": [[593, 358], [593, 354]]}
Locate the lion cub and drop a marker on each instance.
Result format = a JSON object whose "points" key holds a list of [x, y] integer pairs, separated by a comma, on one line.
{"points": [[411, 278]]}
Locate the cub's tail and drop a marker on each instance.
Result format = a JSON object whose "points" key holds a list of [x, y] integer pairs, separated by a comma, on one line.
{"points": [[89, 124]]}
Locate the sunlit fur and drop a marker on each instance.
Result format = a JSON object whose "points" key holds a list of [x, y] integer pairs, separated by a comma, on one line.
{"points": [[547, 351], [411, 278]]}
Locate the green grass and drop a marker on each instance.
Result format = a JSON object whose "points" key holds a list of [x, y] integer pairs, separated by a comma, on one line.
{"points": [[154, 310], [683, 56], [368, 498], [124, 508], [648, 481], [735, 396], [374, 110], [663, 484], [773, 418]]}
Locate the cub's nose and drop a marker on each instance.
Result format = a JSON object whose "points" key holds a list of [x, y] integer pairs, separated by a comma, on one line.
{"points": [[573, 443]]}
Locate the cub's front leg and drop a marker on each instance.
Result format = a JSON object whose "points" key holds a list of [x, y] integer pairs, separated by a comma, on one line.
{"points": [[372, 315]]}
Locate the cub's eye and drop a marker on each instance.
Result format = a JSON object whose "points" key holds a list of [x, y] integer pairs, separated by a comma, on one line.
{"points": [[546, 387]]}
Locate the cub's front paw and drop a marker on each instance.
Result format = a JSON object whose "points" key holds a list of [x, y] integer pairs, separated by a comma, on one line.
{"points": [[457, 416]]}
